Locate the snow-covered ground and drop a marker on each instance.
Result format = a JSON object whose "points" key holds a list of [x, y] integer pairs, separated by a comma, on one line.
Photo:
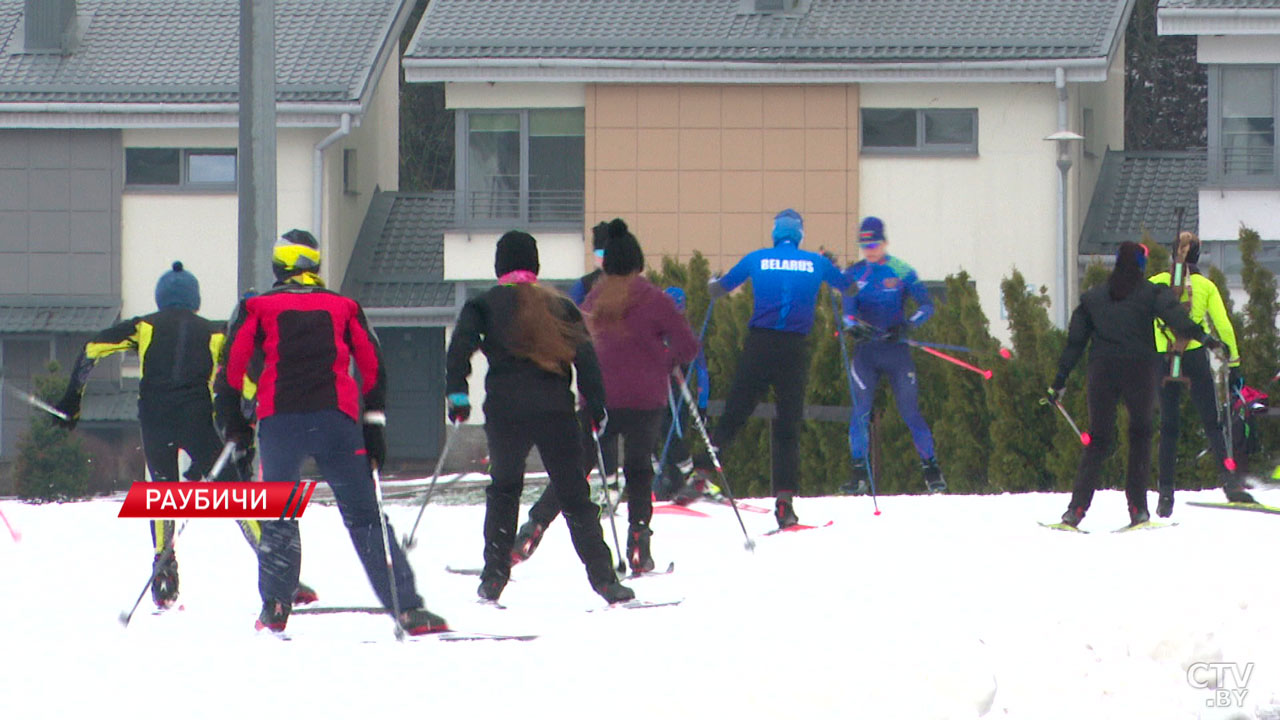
{"points": [[941, 607]]}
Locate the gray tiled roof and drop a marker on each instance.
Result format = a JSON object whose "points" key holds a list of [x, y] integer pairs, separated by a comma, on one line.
{"points": [[831, 31], [398, 260], [1139, 191], [1221, 4], [110, 403], [28, 314], [186, 51]]}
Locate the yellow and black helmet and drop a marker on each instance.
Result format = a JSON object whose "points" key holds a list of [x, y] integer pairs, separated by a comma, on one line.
{"points": [[296, 251]]}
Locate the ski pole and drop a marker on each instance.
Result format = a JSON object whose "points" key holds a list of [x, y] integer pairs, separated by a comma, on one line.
{"points": [[37, 403], [386, 552], [1085, 439], [675, 413], [608, 499], [953, 360], [715, 457], [218, 465], [17, 536], [848, 376], [1229, 462], [410, 540]]}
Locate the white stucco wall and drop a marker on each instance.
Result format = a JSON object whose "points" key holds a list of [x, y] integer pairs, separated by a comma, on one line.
{"points": [[987, 214], [514, 95], [1238, 49], [469, 256], [1222, 212], [377, 144]]}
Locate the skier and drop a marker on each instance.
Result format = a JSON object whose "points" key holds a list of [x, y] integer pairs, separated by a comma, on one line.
{"points": [[1118, 317], [582, 286], [639, 335], [533, 339], [875, 315], [304, 337], [785, 282], [178, 351], [676, 480], [1205, 303]]}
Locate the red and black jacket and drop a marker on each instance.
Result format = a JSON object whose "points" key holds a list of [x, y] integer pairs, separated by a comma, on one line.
{"points": [[297, 342]]}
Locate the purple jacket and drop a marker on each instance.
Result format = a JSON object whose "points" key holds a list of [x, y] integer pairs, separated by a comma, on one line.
{"points": [[637, 355]]}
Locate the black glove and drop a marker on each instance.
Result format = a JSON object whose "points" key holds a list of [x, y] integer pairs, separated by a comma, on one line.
{"points": [[599, 417], [243, 459], [69, 405], [858, 331], [1211, 342], [375, 443], [897, 333], [1235, 381], [459, 407], [237, 430]]}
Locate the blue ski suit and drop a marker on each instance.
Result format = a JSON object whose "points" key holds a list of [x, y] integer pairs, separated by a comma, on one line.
{"points": [[878, 300]]}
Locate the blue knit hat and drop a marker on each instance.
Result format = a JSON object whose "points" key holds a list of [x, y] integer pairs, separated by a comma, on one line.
{"points": [[788, 226], [178, 289], [676, 294], [871, 232]]}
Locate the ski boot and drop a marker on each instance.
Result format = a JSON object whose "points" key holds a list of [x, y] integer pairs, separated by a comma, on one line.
{"points": [[615, 592], [1073, 516], [1235, 492], [933, 476], [1138, 515], [274, 616], [638, 548], [164, 586], [491, 588], [697, 487], [304, 595], [420, 621], [860, 483], [784, 511], [527, 539], [1164, 506]]}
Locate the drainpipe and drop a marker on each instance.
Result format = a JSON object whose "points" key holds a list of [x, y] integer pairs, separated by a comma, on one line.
{"points": [[1064, 167], [317, 172]]}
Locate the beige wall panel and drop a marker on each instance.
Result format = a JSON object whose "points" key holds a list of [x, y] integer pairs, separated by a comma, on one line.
{"points": [[589, 112], [825, 149], [658, 106], [824, 106], [615, 148], [783, 149], [826, 231], [700, 191], [740, 233], [615, 106], [783, 106], [699, 106], [657, 191], [741, 191], [824, 191], [742, 149], [700, 231], [742, 106], [659, 234], [783, 189], [657, 149], [615, 192], [699, 149]]}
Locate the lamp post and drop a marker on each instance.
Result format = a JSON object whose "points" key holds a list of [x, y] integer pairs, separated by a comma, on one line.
{"points": [[1063, 138]]}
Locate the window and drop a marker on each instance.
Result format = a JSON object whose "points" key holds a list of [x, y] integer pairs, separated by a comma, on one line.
{"points": [[524, 166], [180, 168], [905, 131], [1245, 147], [350, 180]]}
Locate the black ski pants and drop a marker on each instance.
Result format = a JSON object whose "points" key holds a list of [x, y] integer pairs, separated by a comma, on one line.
{"points": [[1196, 368], [777, 359], [336, 443], [1110, 381], [638, 430], [555, 434]]}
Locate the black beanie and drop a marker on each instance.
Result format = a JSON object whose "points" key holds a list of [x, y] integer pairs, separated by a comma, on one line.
{"points": [[599, 236], [516, 251], [622, 254]]}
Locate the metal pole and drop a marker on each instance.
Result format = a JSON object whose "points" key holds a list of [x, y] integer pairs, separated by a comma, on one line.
{"points": [[256, 157]]}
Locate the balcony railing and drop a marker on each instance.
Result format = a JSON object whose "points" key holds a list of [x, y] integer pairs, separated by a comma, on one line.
{"points": [[541, 206]]}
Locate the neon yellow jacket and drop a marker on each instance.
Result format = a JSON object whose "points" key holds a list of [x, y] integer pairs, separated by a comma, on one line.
{"points": [[1205, 300]]}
